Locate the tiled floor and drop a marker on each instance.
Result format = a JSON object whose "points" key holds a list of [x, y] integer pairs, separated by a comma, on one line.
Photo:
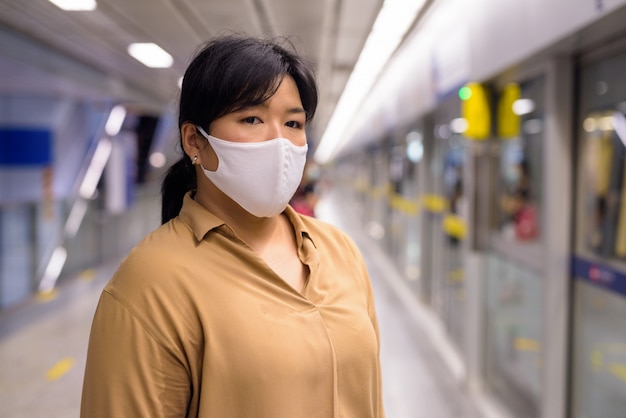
{"points": [[43, 344]]}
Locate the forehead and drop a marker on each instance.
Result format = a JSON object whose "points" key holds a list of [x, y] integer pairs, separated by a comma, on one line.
{"points": [[287, 92]]}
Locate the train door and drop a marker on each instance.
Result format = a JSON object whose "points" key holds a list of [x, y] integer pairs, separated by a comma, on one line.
{"points": [[404, 230], [514, 286], [396, 229], [443, 204], [429, 213], [376, 215], [434, 206], [599, 266]]}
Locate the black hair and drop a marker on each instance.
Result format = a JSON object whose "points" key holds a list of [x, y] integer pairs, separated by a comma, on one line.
{"points": [[228, 74]]}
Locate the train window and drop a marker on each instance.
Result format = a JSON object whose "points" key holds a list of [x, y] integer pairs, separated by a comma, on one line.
{"points": [[603, 184], [602, 173], [519, 183]]}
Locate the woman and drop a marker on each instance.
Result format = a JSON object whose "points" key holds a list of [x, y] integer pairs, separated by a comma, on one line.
{"points": [[237, 306]]}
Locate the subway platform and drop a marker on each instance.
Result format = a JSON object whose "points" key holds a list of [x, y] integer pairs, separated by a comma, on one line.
{"points": [[43, 342]]}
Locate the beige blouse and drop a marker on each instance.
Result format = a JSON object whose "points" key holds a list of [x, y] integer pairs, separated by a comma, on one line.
{"points": [[195, 324]]}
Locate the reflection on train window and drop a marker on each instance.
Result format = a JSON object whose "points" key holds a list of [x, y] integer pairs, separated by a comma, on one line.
{"points": [[604, 184], [519, 183]]}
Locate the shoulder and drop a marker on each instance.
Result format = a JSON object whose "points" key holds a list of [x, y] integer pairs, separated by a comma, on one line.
{"points": [[153, 281], [152, 264]]}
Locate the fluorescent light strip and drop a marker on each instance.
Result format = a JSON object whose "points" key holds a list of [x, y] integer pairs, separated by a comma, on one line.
{"points": [[53, 269], [392, 23], [96, 167], [75, 5], [151, 55], [77, 214], [115, 120]]}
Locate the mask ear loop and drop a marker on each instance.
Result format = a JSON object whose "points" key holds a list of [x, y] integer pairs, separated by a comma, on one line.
{"points": [[202, 131], [206, 136]]}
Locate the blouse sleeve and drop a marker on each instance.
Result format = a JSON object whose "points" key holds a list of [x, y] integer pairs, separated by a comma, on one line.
{"points": [[128, 372]]}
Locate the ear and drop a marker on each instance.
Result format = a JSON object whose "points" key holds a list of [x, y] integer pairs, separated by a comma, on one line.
{"points": [[195, 145], [192, 141]]}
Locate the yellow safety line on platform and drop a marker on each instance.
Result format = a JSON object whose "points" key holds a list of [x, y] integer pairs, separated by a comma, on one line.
{"points": [[59, 369], [47, 296], [618, 370], [597, 360], [88, 275], [526, 344]]}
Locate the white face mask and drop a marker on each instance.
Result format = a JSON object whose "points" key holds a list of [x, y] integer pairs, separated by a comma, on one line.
{"points": [[261, 176]]}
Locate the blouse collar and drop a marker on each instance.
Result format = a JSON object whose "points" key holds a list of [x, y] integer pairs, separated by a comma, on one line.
{"points": [[201, 220]]}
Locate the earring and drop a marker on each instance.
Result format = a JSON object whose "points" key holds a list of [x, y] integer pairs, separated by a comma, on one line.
{"points": [[195, 158]]}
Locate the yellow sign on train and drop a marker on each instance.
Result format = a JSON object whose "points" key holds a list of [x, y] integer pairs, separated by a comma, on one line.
{"points": [[508, 120], [475, 110]]}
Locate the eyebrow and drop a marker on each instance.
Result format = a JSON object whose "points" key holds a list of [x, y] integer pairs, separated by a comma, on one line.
{"points": [[296, 110], [291, 110]]}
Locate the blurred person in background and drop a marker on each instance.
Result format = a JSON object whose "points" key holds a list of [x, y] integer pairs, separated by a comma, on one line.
{"points": [[306, 197], [238, 306]]}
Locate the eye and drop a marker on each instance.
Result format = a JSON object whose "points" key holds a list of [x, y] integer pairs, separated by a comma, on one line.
{"points": [[294, 124], [251, 120]]}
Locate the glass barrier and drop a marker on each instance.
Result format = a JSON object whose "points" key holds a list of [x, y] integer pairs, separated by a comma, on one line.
{"points": [[514, 334], [30, 231], [515, 282], [599, 265]]}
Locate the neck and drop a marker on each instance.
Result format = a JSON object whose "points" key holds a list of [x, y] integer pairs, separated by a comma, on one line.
{"points": [[256, 232]]}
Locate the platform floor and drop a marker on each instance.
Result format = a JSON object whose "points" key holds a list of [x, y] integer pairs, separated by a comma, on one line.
{"points": [[43, 343]]}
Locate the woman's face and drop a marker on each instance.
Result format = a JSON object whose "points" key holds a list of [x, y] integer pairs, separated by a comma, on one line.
{"points": [[281, 116]]}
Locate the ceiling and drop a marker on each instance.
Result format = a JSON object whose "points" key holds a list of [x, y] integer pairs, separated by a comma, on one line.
{"points": [[44, 49]]}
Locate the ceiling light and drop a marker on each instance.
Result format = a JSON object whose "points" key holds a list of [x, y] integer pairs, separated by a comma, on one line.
{"points": [[392, 23], [151, 55], [605, 123], [415, 151], [157, 160], [75, 5], [459, 125], [443, 131], [590, 125], [523, 106]]}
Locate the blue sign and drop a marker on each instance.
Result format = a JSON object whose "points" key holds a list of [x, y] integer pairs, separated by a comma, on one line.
{"points": [[25, 147], [600, 275]]}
